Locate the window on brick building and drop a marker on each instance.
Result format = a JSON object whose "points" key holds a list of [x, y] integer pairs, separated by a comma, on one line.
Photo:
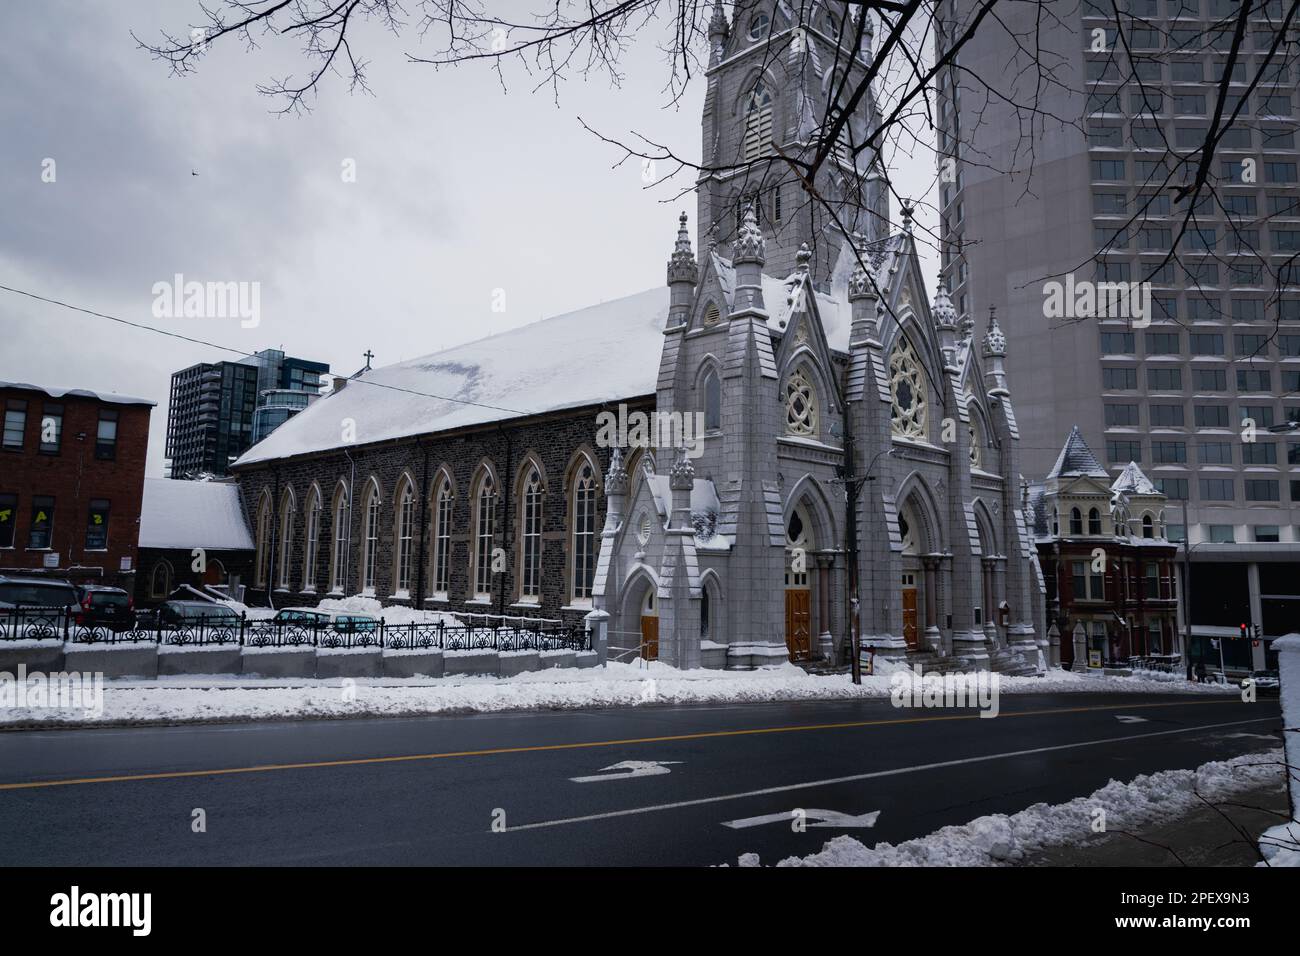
{"points": [[40, 536], [15, 423], [485, 510], [530, 571], [441, 563], [97, 525], [51, 429], [585, 534], [370, 537], [106, 436]]}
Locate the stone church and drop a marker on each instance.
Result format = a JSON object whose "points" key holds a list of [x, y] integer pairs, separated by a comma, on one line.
{"points": [[843, 414]]}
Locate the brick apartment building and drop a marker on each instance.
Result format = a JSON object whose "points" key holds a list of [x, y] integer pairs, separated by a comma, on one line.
{"points": [[71, 480]]}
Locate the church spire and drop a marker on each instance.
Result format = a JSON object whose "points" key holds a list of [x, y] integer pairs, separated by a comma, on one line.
{"points": [[683, 274]]}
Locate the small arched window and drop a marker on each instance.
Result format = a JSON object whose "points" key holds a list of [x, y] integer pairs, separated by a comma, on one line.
{"points": [[758, 27], [712, 401], [1076, 521], [1148, 528], [530, 572], [160, 582], [1094, 521], [800, 405], [758, 124]]}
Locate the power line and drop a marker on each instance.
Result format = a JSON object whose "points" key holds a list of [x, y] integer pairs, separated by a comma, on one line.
{"points": [[226, 348]]}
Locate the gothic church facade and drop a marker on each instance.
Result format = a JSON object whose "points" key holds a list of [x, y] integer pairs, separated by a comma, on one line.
{"points": [[844, 413]]}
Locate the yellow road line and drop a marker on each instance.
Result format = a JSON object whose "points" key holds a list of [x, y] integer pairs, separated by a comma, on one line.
{"points": [[539, 748]]}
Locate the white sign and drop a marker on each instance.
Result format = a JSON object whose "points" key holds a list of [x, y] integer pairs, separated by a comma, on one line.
{"points": [[628, 769], [52, 559], [125, 565], [815, 818]]}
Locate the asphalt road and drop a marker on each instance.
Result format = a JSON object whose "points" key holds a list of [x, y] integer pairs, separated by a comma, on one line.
{"points": [[426, 791]]}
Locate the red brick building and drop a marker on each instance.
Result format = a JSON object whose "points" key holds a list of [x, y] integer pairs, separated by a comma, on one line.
{"points": [[1108, 566], [71, 480]]}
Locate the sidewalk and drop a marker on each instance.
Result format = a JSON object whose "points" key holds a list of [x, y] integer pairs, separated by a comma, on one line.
{"points": [[1203, 836]]}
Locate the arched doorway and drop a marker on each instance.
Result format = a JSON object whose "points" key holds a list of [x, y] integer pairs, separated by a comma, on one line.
{"points": [[214, 573], [908, 529], [798, 591], [649, 626]]}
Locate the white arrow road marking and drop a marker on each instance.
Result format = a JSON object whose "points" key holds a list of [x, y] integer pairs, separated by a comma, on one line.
{"points": [[1237, 736], [1126, 719], [823, 818], [629, 768], [876, 774]]}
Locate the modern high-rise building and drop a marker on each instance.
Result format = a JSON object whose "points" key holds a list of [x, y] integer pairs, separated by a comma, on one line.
{"points": [[1065, 132], [220, 409]]}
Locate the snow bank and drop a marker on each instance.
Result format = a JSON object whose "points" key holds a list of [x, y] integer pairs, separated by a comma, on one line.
{"points": [[999, 839], [180, 699]]}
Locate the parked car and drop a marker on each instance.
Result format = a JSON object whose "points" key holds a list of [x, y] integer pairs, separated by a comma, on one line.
{"points": [[342, 621], [172, 615], [36, 593], [101, 606], [1267, 683]]}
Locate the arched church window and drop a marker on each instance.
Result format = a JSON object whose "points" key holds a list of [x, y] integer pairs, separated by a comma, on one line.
{"points": [[342, 530], [405, 533], [287, 507], [758, 26], [712, 314], [370, 539], [1148, 529], [585, 536], [530, 584], [1076, 521], [485, 512], [800, 405], [442, 539], [976, 443], [311, 539], [263, 538], [712, 401], [907, 390], [758, 123], [160, 585], [1094, 521]]}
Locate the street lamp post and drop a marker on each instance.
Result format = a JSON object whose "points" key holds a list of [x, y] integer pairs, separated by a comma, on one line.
{"points": [[852, 487]]}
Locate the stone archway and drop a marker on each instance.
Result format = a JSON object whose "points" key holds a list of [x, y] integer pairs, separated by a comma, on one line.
{"points": [[639, 618], [919, 574], [800, 542]]}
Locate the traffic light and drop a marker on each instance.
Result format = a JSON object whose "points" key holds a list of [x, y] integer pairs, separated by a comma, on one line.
{"points": [[1257, 633], [1245, 631]]}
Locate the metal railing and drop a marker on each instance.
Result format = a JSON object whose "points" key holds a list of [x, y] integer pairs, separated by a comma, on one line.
{"points": [[219, 629]]}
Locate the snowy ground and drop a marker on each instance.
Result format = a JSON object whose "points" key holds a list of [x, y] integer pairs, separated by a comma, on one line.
{"points": [[188, 699], [998, 839]]}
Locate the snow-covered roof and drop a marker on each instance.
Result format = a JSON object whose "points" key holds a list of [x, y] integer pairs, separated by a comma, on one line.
{"points": [[777, 300], [58, 392], [1133, 481], [192, 514], [602, 353], [1077, 459]]}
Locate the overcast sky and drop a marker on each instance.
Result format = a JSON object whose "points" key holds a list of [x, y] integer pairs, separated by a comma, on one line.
{"points": [[461, 189]]}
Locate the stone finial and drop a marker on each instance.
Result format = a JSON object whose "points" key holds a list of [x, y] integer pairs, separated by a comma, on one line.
{"points": [[616, 477], [945, 316], [681, 265], [907, 209], [718, 26], [995, 341], [860, 284], [802, 257], [682, 475], [712, 239], [965, 328], [750, 246]]}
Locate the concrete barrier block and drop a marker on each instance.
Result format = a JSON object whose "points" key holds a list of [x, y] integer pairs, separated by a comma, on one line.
{"points": [[517, 662], [413, 663], [279, 661], [350, 662], [112, 660], [470, 662], [43, 656], [552, 659], [199, 659], [586, 659]]}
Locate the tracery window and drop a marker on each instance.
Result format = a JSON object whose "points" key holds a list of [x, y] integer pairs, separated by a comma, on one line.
{"points": [[530, 585], [800, 404], [907, 391]]}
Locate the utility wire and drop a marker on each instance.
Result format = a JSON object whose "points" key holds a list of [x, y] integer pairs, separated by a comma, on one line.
{"points": [[226, 348]]}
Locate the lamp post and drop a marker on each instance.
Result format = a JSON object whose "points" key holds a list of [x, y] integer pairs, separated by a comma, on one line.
{"points": [[852, 487]]}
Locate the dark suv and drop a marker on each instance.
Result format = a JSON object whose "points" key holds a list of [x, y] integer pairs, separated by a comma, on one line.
{"points": [[102, 606], [36, 593]]}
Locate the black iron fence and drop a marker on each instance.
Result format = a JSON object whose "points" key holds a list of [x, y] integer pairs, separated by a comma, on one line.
{"points": [[495, 634]]}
